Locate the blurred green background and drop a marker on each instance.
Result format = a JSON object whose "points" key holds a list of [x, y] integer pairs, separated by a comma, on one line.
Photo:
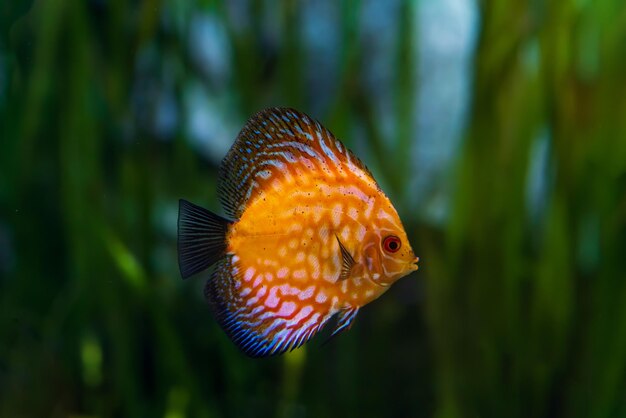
{"points": [[497, 128]]}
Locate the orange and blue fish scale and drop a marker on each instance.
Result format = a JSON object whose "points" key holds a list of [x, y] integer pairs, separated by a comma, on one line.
{"points": [[313, 236]]}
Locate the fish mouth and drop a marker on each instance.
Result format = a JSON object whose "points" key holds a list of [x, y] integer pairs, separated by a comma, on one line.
{"points": [[413, 264]]}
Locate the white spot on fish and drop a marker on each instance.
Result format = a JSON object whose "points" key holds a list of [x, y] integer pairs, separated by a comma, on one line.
{"points": [[262, 291], [356, 192], [282, 272], [323, 232], [370, 208], [285, 289], [282, 251], [287, 308], [336, 260], [300, 257], [258, 280], [320, 297], [249, 274], [360, 233], [336, 219], [295, 227], [265, 174], [329, 274], [272, 298], [304, 312], [299, 274], [318, 211], [306, 293], [382, 214], [314, 262]]}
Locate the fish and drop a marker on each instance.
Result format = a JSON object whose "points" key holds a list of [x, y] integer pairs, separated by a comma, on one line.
{"points": [[309, 236]]}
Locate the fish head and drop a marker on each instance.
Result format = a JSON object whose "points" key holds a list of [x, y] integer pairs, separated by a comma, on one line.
{"points": [[387, 252]]}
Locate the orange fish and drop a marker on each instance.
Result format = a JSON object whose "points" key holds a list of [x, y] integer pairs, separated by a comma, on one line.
{"points": [[313, 235]]}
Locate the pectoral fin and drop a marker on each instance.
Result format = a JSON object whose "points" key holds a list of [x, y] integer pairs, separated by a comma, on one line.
{"points": [[347, 262]]}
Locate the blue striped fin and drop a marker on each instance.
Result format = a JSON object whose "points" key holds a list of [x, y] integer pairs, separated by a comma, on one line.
{"points": [[257, 332], [344, 320]]}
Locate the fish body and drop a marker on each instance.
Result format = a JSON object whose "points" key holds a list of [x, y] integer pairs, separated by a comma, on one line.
{"points": [[313, 236]]}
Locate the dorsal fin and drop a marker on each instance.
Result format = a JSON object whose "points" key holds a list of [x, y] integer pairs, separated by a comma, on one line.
{"points": [[279, 142]]}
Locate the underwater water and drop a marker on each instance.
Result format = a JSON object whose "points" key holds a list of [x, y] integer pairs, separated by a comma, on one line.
{"points": [[496, 129]]}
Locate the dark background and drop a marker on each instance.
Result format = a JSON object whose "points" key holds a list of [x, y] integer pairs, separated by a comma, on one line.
{"points": [[498, 129]]}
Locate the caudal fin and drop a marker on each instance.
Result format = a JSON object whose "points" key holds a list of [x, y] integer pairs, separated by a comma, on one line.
{"points": [[201, 238]]}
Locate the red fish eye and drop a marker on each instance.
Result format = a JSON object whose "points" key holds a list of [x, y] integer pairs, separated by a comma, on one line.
{"points": [[391, 244]]}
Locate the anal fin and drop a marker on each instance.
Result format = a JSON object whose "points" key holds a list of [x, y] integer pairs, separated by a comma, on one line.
{"points": [[257, 331], [345, 317]]}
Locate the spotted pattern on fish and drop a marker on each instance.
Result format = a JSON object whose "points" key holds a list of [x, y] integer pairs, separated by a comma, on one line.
{"points": [[308, 239]]}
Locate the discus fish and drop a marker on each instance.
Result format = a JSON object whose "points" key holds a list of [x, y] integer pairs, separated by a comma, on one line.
{"points": [[312, 235]]}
